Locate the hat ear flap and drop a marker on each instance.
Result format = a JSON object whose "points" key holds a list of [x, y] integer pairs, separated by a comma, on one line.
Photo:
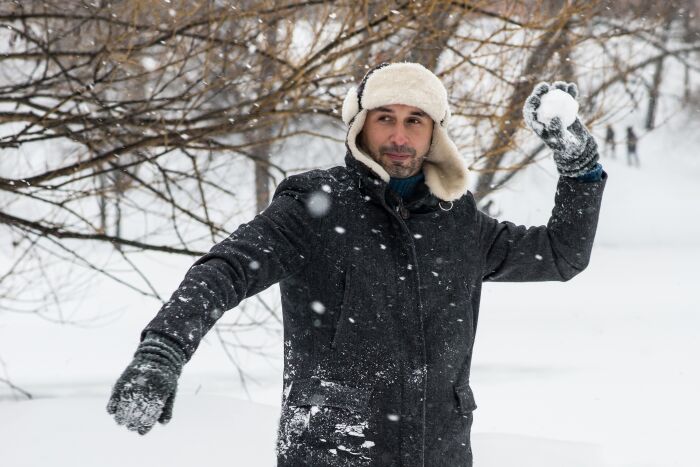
{"points": [[350, 106]]}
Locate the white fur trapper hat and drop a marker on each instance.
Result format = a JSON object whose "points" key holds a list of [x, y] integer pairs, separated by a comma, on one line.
{"points": [[409, 84]]}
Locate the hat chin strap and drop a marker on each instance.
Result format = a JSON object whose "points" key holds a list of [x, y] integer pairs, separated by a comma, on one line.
{"points": [[445, 174]]}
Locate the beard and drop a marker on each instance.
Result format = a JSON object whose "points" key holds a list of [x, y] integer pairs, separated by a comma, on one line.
{"points": [[397, 168], [407, 167]]}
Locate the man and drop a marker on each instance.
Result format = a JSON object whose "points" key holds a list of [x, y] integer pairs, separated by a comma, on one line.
{"points": [[380, 265]]}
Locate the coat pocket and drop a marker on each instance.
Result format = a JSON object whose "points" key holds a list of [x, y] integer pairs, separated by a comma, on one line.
{"points": [[317, 392], [465, 399], [337, 419]]}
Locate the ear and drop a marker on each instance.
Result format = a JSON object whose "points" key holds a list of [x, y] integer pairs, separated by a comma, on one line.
{"points": [[350, 106]]}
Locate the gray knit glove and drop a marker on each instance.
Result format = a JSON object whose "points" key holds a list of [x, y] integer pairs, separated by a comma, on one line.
{"points": [[145, 392], [575, 150]]}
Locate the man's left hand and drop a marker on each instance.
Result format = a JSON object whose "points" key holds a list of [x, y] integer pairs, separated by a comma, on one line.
{"points": [[575, 150]]}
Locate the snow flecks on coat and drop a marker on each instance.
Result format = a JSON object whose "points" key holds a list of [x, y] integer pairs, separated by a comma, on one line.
{"points": [[339, 435], [351, 430], [351, 452], [418, 375], [289, 370], [294, 424]]}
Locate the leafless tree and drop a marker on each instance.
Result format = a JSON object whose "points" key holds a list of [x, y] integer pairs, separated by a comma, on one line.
{"points": [[146, 126]]}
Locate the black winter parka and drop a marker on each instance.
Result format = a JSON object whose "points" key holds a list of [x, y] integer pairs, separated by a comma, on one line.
{"points": [[380, 304]]}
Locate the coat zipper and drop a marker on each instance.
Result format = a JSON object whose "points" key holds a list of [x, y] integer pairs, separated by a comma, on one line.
{"points": [[403, 214]]}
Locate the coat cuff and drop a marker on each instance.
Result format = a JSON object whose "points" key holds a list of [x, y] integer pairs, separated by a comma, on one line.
{"points": [[595, 175]]}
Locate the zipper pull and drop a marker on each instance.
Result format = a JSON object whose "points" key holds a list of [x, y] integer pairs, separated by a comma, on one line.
{"points": [[403, 211]]}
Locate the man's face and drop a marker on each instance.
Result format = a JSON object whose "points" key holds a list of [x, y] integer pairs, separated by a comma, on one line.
{"points": [[398, 138]]}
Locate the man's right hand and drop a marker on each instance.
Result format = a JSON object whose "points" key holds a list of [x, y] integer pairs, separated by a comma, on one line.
{"points": [[145, 392]]}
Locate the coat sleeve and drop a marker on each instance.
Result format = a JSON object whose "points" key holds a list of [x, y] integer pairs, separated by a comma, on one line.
{"points": [[274, 245], [553, 252]]}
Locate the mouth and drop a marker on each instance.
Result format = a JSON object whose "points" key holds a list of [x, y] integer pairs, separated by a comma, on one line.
{"points": [[397, 156]]}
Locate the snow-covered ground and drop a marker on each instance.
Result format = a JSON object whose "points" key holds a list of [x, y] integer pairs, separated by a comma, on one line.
{"points": [[600, 371]]}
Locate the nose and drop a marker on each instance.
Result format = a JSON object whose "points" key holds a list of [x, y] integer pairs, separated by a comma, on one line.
{"points": [[399, 136]]}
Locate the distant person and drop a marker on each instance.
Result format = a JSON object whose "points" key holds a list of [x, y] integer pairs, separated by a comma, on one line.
{"points": [[380, 264], [632, 157], [610, 146]]}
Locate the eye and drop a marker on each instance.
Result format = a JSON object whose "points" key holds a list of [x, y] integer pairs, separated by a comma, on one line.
{"points": [[384, 118], [415, 121]]}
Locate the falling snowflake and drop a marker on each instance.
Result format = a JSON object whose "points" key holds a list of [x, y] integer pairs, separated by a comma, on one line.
{"points": [[318, 307], [318, 204]]}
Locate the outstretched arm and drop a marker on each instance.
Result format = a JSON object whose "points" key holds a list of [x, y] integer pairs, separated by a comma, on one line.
{"points": [[274, 245]]}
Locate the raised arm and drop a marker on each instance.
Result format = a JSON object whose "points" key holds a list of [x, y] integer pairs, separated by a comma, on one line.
{"points": [[562, 248], [555, 252]]}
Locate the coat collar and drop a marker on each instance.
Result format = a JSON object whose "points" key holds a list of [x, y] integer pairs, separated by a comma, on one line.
{"points": [[374, 186]]}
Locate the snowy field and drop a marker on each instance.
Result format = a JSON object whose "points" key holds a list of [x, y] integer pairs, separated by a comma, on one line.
{"points": [[598, 372]]}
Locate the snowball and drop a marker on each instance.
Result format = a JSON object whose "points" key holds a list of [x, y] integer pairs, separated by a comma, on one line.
{"points": [[557, 103]]}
